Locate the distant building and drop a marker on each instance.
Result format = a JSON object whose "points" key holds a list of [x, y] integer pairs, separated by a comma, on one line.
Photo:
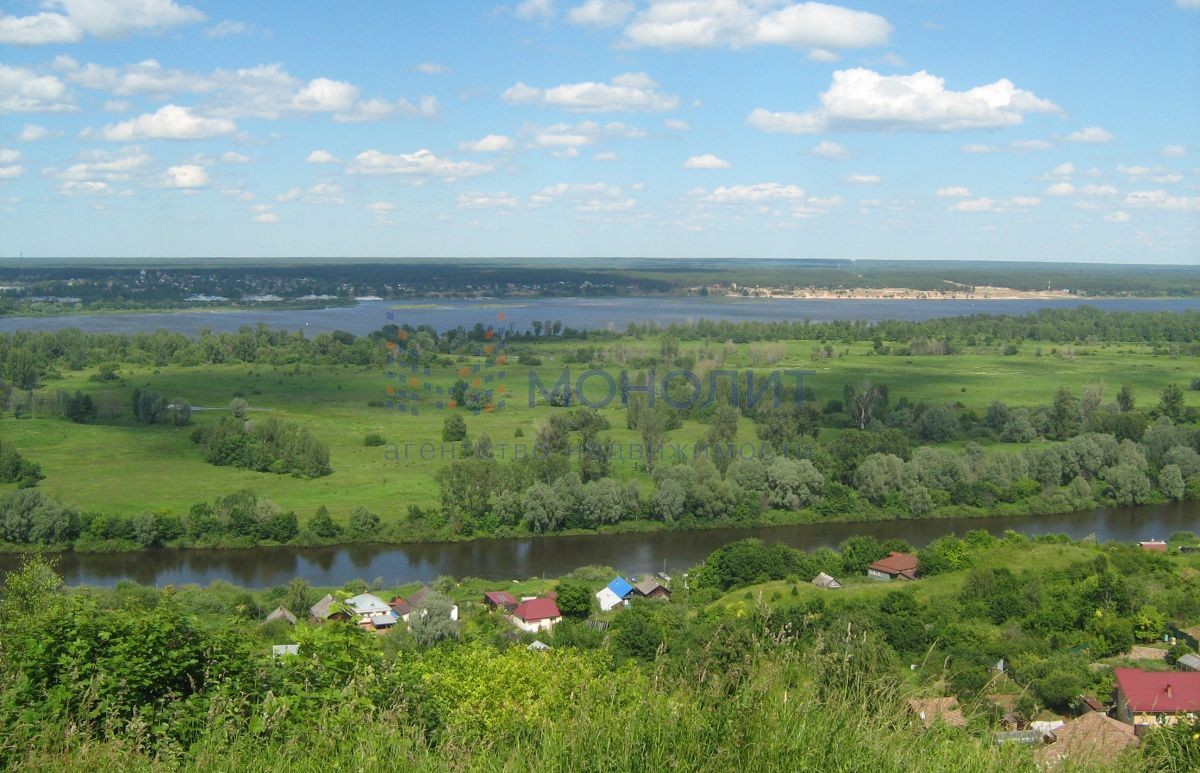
{"points": [[1190, 662], [500, 599], [825, 581], [534, 615], [652, 589], [1091, 739], [1147, 698], [894, 566], [614, 594], [1156, 545], [281, 613]]}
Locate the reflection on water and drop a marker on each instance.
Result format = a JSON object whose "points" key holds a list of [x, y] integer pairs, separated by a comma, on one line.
{"points": [[553, 556]]}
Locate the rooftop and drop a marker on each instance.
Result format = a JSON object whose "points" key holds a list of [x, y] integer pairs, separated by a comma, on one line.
{"points": [[537, 609], [1162, 692], [896, 563]]}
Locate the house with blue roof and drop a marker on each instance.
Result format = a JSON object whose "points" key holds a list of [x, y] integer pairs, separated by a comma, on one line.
{"points": [[614, 594]]}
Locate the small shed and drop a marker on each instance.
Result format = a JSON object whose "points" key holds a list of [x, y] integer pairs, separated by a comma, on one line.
{"points": [[1093, 737], [1154, 545], [281, 613], [652, 589], [500, 599], [539, 646], [614, 594], [825, 581], [894, 566], [1190, 662], [326, 609]]}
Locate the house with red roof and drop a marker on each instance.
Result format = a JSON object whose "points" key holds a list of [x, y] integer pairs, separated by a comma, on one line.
{"points": [[500, 599], [1147, 698], [894, 566], [537, 614]]}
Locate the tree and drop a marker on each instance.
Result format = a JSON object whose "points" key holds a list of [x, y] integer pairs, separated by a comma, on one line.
{"points": [[1170, 480], [238, 408], [364, 524], [430, 622], [1130, 486], [543, 508], [652, 424], [1170, 403], [937, 424], [669, 501], [792, 483], [860, 551], [298, 597], [575, 599], [864, 400], [80, 408], [454, 428], [878, 476], [722, 433], [1126, 398], [322, 524], [1018, 428], [1064, 419]]}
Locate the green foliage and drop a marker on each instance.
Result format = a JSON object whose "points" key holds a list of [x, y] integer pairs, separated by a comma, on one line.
{"points": [[272, 445], [575, 599], [14, 468]]}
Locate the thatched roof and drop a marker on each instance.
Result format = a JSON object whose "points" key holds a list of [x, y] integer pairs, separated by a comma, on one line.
{"points": [[281, 613], [323, 608], [1094, 737]]}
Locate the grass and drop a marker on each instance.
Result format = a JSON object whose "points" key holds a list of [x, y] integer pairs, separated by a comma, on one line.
{"points": [[116, 466]]}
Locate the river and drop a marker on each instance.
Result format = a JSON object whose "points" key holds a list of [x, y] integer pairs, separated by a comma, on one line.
{"points": [[592, 313], [633, 553]]}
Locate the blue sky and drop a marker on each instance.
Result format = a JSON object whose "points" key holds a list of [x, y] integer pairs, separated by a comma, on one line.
{"points": [[927, 129]]}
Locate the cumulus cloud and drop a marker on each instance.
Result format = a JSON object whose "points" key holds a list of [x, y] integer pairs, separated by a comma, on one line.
{"points": [[1060, 189], [492, 143], [985, 204], [747, 23], [32, 132], [562, 136], [186, 176], [676, 124], [479, 200], [67, 21], [1091, 134], [169, 122], [24, 91], [431, 68], [757, 192], [322, 157], [266, 218], [584, 197], [227, 29], [832, 150], [1030, 145], [1174, 151], [84, 188], [422, 163], [104, 165], [1160, 199], [707, 161], [12, 171], [1117, 217], [863, 179], [631, 92], [861, 99], [953, 192], [9, 156], [534, 9], [600, 13], [233, 157]]}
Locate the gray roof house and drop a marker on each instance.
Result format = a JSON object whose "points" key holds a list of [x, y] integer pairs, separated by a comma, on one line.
{"points": [[823, 580], [281, 613]]}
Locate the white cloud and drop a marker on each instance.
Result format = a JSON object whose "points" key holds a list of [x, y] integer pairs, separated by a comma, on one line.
{"points": [[952, 192], [605, 156], [746, 23], [170, 122], [325, 95], [292, 194], [976, 147], [9, 156], [492, 143], [1188, 5], [477, 200], [1117, 217], [67, 21], [10, 172], [266, 218], [862, 179], [1160, 199], [322, 157], [985, 204], [565, 135], [84, 188], [24, 91], [422, 163], [186, 176], [707, 161], [600, 13], [758, 192], [227, 29], [1097, 190], [32, 132], [1174, 151], [823, 55], [1060, 189], [833, 150], [534, 9], [146, 77], [1091, 134], [676, 124], [584, 197], [232, 157], [431, 68], [1030, 145], [1065, 169], [113, 166], [631, 92], [861, 99]]}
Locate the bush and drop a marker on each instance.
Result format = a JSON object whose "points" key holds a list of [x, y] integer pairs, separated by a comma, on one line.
{"points": [[372, 439]]}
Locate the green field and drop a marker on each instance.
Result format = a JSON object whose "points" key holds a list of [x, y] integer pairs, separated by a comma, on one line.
{"points": [[114, 465]]}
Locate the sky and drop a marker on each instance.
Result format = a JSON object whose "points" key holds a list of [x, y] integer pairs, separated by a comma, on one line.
{"points": [[918, 129]]}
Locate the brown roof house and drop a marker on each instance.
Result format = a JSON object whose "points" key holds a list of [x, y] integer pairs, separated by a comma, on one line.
{"points": [[931, 710], [652, 589], [500, 599], [894, 566], [1092, 738]]}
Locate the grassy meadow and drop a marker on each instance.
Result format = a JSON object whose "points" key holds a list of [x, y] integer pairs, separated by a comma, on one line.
{"points": [[114, 465]]}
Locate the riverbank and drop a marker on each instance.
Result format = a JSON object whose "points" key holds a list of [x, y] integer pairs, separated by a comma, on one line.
{"points": [[633, 552]]}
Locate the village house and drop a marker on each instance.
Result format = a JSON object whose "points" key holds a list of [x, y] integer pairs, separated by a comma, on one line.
{"points": [[652, 589], [500, 599], [1190, 662], [280, 613], [894, 566], [1147, 698], [614, 594], [537, 614], [404, 607], [327, 609], [1093, 737], [825, 581], [1154, 545], [371, 612]]}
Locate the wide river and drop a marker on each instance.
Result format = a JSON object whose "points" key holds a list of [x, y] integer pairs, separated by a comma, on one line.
{"points": [[554, 556], [594, 313]]}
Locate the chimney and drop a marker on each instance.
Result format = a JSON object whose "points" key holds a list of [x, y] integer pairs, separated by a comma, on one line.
{"points": [[1168, 689]]}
